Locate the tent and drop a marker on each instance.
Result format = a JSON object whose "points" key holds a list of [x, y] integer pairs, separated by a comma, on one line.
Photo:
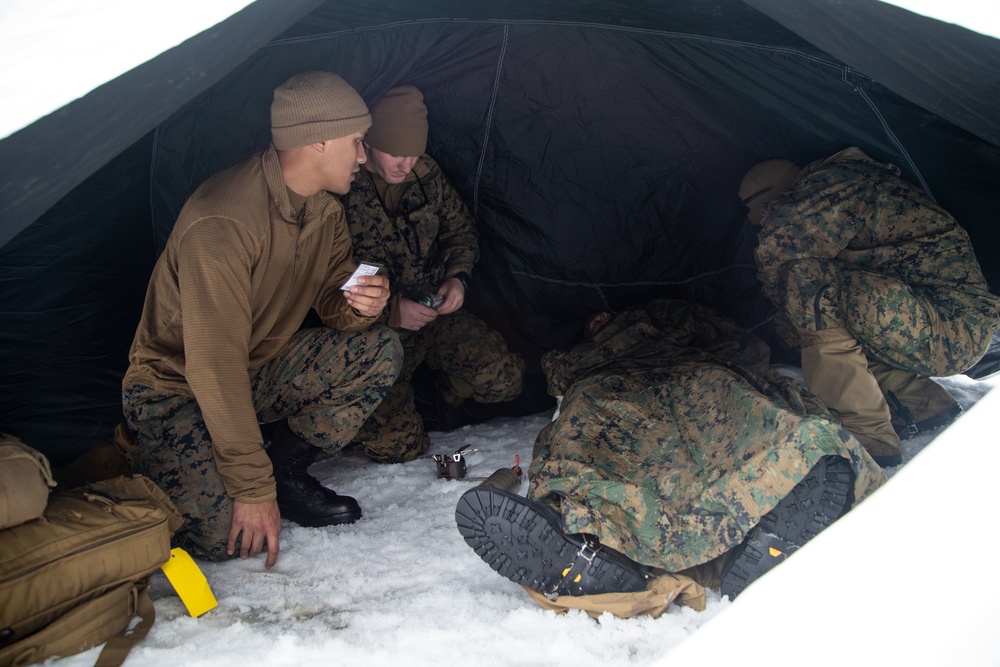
{"points": [[600, 144]]}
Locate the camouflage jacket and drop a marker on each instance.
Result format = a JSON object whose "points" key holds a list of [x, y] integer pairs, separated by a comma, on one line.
{"points": [[430, 237], [851, 208], [675, 436]]}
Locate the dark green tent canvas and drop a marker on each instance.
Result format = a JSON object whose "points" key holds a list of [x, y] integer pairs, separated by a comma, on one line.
{"points": [[600, 144]]}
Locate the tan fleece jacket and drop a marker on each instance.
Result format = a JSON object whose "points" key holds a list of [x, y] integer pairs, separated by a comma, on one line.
{"points": [[238, 275]]}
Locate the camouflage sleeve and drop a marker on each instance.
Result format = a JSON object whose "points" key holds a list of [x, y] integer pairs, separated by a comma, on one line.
{"points": [[557, 365], [458, 235], [824, 210]]}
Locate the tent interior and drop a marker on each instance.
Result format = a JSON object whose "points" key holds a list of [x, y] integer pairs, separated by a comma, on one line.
{"points": [[599, 143]]}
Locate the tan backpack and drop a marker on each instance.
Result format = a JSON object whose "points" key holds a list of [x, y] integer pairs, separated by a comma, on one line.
{"points": [[75, 576], [25, 481]]}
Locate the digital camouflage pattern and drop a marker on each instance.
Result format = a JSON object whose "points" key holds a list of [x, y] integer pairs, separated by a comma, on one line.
{"points": [[325, 383], [428, 236], [473, 363], [852, 244], [422, 233], [674, 436]]}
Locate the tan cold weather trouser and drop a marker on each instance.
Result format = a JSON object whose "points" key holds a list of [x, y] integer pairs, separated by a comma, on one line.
{"points": [[836, 371], [913, 399]]}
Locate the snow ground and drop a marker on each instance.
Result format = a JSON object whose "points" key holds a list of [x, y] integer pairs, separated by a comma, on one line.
{"points": [[401, 587]]}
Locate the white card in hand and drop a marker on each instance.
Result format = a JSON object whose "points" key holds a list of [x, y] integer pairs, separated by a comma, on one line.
{"points": [[362, 270]]}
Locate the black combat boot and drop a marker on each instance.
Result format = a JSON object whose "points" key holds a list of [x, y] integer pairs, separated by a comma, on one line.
{"points": [[524, 541], [819, 499], [301, 498]]}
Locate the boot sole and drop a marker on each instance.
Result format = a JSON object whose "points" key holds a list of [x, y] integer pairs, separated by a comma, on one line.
{"points": [[822, 497], [524, 542]]}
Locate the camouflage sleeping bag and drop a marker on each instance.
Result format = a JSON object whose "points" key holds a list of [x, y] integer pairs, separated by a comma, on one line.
{"points": [[674, 436]]}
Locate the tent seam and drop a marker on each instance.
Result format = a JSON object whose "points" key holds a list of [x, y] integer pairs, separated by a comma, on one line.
{"points": [[892, 135], [152, 184], [489, 122], [637, 283]]}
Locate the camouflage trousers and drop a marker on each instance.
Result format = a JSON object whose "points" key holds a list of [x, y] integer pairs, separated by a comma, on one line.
{"points": [[474, 363], [673, 466], [927, 330], [325, 384]]}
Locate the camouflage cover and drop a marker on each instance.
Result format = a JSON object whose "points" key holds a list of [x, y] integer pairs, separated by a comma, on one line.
{"points": [[675, 436]]}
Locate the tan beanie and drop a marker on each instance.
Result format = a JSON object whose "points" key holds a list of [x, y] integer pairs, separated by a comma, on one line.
{"points": [[765, 182], [399, 123], [313, 107]]}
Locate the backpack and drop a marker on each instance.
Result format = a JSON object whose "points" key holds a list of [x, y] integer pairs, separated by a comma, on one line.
{"points": [[25, 481], [76, 576]]}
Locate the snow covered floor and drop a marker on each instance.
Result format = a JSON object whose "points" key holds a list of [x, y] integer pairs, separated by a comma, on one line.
{"points": [[401, 587]]}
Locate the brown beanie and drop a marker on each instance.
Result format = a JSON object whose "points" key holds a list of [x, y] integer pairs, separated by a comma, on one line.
{"points": [[399, 123], [765, 182], [313, 107]]}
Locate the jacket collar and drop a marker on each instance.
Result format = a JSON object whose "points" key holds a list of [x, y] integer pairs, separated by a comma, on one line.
{"points": [[279, 191]]}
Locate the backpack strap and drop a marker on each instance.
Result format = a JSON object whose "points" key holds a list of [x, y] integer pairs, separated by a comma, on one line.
{"points": [[116, 650], [87, 625]]}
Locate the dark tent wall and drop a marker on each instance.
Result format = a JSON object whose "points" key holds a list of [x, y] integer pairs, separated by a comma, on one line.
{"points": [[72, 285], [602, 159], [599, 143]]}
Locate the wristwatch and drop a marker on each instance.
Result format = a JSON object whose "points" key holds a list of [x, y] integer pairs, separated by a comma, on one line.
{"points": [[463, 278]]}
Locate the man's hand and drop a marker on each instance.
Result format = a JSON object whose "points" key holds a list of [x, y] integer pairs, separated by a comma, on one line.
{"points": [[413, 315], [258, 522], [370, 295], [454, 296]]}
